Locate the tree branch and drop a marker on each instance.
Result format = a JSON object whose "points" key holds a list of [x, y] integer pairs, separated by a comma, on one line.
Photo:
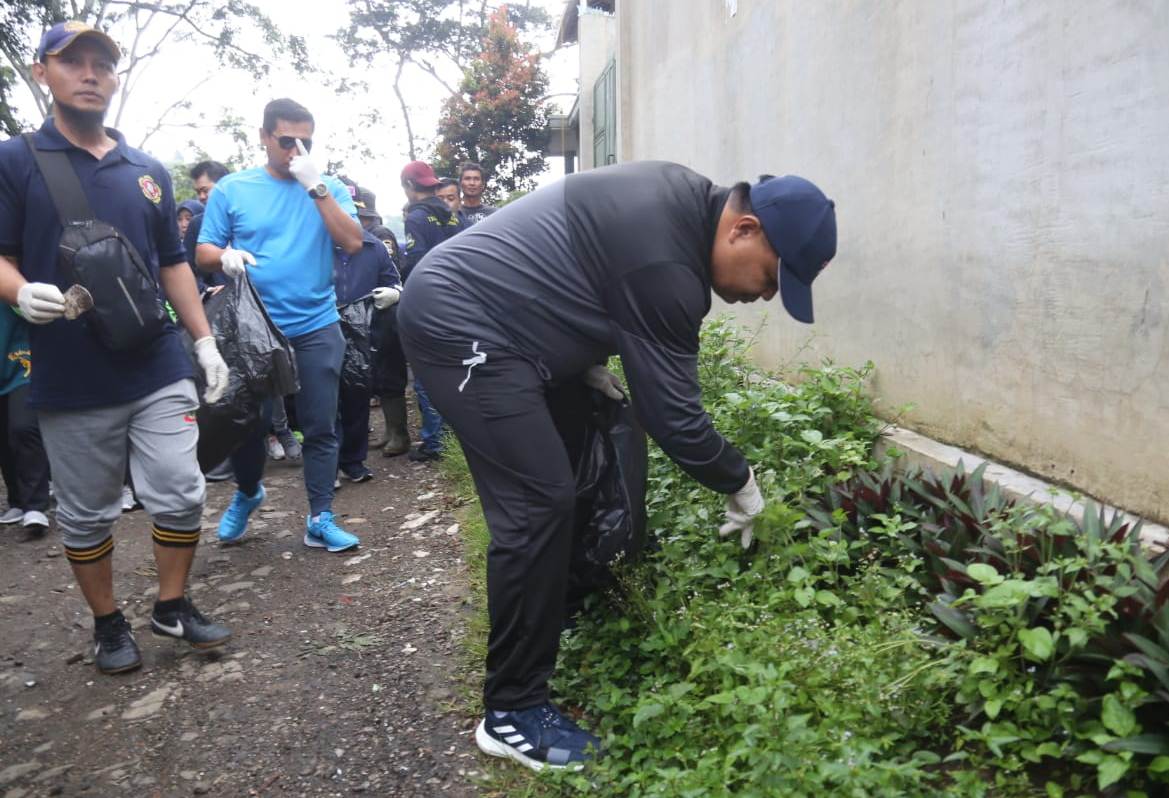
{"points": [[184, 16], [430, 70], [40, 96], [160, 122], [139, 28], [405, 110]]}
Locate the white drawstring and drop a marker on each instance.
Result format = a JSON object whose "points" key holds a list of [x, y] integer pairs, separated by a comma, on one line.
{"points": [[472, 362]]}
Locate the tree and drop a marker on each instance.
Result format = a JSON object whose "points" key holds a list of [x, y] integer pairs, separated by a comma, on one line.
{"points": [[15, 19], [436, 37], [241, 36], [180, 181], [499, 118]]}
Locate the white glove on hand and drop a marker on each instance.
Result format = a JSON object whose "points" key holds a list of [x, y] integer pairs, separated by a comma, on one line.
{"points": [[605, 381], [214, 369], [234, 260], [742, 508], [40, 303], [385, 297], [303, 169]]}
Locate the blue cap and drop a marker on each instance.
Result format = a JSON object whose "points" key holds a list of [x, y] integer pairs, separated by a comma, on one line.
{"points": [[800, 224], [63, 34], [192, 205]]}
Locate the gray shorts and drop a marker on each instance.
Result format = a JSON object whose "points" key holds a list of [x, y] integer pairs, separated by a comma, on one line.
{"points": [[88, 450]]}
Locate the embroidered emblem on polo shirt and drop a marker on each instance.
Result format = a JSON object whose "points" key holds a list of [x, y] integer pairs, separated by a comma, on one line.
{"points": [[22, 357], [150, 189]]}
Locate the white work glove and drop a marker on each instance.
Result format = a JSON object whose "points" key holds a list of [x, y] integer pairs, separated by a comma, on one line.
{"points": [[742, 508], [605, 381], [386, 297], [214, 369], [303, 169], [234, 261], [40, 303]]}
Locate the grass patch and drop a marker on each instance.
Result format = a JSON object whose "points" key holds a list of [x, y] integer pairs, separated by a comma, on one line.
{"points": [[885, 635]]}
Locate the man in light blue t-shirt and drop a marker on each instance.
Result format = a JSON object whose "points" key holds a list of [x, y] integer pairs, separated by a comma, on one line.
{"points": [[283, 220]]}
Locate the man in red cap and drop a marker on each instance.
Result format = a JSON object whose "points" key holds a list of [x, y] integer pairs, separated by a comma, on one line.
{"points": [[429, 222]]}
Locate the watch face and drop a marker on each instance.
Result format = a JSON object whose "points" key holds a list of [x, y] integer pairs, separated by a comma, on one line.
{"points": [[320, 190]]}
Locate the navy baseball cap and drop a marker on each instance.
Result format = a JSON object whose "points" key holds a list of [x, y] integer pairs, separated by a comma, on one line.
{"points": [[366, 202], [63, 34], [800, 224]]}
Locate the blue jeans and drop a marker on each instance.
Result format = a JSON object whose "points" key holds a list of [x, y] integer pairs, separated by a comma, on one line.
{"points": [[431, 432], [318, 363]]}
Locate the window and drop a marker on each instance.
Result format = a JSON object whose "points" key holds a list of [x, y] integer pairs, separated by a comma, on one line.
{"points": [[605, 117]]}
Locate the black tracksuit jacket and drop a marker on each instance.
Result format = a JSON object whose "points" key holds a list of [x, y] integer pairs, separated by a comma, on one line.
{"points": [[610, 261]]}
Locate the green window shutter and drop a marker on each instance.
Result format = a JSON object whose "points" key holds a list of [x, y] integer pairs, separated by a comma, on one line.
{"points": [[605, 117]]}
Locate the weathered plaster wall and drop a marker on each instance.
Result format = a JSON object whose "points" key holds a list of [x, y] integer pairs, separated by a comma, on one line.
{"points": [[1001, 172]]}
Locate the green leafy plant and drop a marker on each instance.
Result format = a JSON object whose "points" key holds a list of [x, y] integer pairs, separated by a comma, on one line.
{"points": [[890, 633], [1053, 615]]}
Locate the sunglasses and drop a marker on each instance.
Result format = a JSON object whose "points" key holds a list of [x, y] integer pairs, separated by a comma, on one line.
{"points": [[289, 143]]}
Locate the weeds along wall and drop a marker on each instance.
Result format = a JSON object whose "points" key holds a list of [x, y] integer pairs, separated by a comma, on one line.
{"points": [[1002, 189]]}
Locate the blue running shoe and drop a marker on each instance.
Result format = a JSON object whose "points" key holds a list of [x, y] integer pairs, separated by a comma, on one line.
{"points": [[322, 532], [537, 737], [235, 519]]}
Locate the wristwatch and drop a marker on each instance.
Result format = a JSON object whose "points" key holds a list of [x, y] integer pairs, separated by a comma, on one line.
{"points": [[319, 191]]}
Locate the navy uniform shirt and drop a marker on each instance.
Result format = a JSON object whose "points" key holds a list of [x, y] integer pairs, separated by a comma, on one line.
{"points": [[428, 224], [203, 279], [356, 275], [129, 190]]}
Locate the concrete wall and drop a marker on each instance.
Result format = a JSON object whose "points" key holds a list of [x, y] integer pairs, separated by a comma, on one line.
{"points": [[598, 44], [1001, 172]]}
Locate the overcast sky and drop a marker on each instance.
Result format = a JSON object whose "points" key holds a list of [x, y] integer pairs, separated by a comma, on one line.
{"points": [[191, 70]]}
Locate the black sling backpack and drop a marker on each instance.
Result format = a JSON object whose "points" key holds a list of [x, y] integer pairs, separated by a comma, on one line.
{"points": [[127, 309]]}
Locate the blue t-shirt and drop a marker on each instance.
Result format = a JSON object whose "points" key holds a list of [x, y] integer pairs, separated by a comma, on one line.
{"points": [[278, 223], [129, 190]]}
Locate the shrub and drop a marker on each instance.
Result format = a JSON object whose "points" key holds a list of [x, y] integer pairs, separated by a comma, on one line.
{"points": [[1062, 624], [888, 634]]}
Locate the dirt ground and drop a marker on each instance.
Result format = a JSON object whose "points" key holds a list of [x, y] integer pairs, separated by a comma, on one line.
{"points": [[343, 676]]}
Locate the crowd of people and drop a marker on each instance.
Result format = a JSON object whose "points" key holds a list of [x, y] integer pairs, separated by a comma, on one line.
{"points": [[503, 321]]}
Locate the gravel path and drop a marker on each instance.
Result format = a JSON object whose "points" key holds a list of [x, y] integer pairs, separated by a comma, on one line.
{"points": [[343, 677]]}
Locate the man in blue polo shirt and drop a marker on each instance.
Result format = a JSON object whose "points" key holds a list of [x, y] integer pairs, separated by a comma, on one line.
{"points": [[283, 220], [98, 406]]}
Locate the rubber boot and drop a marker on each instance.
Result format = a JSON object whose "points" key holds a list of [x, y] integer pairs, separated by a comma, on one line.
{"points": [[397, 432], [384, 404]]}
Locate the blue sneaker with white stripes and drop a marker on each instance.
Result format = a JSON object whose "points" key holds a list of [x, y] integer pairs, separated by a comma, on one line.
{"points": [[321, 532], [234, 522], [537, 737]]}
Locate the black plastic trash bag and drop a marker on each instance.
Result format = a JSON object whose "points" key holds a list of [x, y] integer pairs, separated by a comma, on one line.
{"points": [[611, 474], [261, 363], [356, 324]]}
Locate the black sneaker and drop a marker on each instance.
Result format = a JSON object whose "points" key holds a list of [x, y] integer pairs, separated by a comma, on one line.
{"points": [[539, 737], [420, 455], [357, 474], [187, 623], [114, 648]]}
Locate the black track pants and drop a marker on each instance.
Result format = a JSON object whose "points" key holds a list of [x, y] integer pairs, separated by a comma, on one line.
{"points": [[389, 362], [506, 420], [22, 454]]}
